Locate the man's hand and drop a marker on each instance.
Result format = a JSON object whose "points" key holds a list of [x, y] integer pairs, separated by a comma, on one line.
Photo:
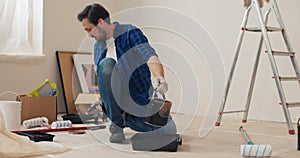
{"points": [[160, 85]]}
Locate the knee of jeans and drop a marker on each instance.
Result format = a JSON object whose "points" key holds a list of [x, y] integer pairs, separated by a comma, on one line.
{"points": [[106, 66]]}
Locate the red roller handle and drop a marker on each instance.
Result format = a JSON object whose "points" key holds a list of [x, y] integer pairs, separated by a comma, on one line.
{"points": [[60, 129]]}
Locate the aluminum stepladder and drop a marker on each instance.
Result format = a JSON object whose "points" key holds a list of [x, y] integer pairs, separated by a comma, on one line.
{"points": [[264, 29]]}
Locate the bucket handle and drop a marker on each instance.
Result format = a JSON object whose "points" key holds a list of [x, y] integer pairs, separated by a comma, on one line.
{"points": [[10, 92], [155, 93]]}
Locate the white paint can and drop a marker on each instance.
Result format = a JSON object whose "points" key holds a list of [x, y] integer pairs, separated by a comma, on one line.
{"points": [[11, 112]]}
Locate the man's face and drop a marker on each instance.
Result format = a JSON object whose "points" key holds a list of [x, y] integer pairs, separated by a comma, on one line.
{"points": [[94, 31]]}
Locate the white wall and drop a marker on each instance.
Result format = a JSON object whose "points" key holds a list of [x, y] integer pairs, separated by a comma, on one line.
{"points": [[62, 31], [222, 20]]}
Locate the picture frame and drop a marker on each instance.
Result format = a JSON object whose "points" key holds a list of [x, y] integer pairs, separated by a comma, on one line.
{"points": [[86, 72]]}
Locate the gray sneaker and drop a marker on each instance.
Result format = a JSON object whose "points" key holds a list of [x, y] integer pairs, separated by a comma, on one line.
{"points": [[117, 134]]}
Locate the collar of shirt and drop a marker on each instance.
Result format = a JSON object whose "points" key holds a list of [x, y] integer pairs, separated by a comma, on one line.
{"points": [[100, 47]]}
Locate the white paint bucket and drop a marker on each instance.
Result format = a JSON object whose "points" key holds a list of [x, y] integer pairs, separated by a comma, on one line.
{"points": [[11, 112]]}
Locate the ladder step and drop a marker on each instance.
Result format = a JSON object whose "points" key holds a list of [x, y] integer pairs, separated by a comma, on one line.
{"points": [[280, 53], [258, 29], [237, 111], [291, 105], [288, 78]]}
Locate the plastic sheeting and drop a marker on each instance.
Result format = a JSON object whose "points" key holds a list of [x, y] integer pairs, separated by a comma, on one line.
{"points": [[13, 145]]}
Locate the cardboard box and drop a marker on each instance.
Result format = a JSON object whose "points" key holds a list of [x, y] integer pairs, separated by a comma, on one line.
{"points": [[42, 106], [84, 101]]}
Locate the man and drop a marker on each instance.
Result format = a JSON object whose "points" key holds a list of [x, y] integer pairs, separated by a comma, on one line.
{"points": [[124, 61]]}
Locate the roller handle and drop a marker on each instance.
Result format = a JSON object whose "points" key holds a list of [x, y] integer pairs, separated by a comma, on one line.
{"points": [[62, 129], [245, 135]]}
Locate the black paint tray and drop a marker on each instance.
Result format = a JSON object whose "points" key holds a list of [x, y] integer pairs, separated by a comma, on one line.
{"points": [[80, 119], [37, 136], [74, 118], [156, 142]]}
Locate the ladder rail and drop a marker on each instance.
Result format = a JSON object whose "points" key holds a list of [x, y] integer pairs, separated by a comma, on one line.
{"points": [[281, 24], [285, 37], [230, 76], [221, 112], [254, 71], [273, 65]]}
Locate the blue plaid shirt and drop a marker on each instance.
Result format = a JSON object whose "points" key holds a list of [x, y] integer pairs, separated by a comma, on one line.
{"points": [[133, 51]]}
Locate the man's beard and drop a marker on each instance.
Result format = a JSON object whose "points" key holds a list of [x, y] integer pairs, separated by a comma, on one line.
{"points": [[103, 37]]}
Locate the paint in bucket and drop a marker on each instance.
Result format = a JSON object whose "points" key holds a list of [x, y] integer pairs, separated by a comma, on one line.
{"points": [[158, 111]]}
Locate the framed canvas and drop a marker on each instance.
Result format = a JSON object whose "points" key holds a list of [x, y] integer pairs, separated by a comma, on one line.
{"points": [[86, 72]]}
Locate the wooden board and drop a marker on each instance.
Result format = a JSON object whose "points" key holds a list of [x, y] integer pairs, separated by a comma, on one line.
{"points": [[69, 79]]}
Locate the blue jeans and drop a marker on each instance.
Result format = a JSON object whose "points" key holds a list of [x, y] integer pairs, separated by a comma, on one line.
{"points": [[110, 100]]}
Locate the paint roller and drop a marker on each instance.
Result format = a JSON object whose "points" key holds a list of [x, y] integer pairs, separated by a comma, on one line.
{"points": [[251, 149]]}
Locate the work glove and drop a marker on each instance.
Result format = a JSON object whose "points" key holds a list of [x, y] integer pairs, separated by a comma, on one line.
{"points": [[160, 85]]}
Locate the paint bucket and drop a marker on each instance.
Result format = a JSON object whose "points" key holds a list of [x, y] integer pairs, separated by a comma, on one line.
{"points": [[11, 112], [298, 126], [158, 111]]}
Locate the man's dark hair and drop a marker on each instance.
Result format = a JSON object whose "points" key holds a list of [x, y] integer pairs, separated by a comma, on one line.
{"points": [[93, 13]]}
